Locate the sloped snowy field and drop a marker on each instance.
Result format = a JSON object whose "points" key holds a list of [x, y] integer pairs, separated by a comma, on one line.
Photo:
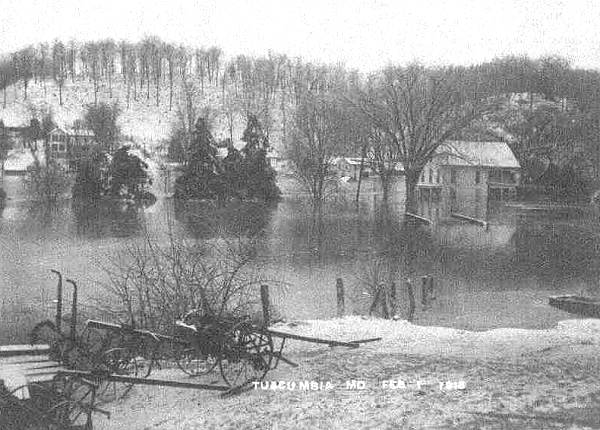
{"points": [[513, 379]]}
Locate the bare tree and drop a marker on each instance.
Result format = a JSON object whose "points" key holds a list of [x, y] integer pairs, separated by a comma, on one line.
{"points": [[90, 55], [59, 67], [413, 110], [23, 64], [170, 57], [315, 142]]}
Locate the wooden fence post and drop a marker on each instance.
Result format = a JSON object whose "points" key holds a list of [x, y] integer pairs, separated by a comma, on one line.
{"points": [[430, 290], [393, 294], [264, 299], [339, 288], [424, 286], [411, 300]]}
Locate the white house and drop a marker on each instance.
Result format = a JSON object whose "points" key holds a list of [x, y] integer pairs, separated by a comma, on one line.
{"points": [[477, 165]]}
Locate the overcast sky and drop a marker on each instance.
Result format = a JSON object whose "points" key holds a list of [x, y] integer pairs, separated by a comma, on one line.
{"points": [[362, 34]]}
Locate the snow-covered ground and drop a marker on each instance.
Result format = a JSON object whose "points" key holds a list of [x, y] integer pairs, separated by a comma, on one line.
{"points": [[504, 378]]}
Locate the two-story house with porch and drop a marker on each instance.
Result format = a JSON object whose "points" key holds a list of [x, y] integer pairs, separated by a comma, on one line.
{"points": [[465, 174]]}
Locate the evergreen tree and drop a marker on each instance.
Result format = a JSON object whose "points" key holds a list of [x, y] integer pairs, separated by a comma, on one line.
{"points": [[90, 178], [258, 176], [127, 175], [202, 177]]}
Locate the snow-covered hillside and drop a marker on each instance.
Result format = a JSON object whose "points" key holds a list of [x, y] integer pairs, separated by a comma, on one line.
{"points": [[143, 122]]}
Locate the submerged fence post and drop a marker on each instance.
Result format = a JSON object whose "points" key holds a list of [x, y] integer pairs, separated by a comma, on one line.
{"points": [[264, 299], [339, 288], [430, 290], [424, 286], [393, 294], [411, 300]]}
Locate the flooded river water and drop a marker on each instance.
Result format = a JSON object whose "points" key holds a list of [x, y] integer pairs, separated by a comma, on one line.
{"points": [[485, 277]]}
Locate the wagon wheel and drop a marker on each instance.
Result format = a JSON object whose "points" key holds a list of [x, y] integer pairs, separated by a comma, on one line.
{"points": [[245, 355], [193, 362], [196, 354], [73, 402], [121, 358]]}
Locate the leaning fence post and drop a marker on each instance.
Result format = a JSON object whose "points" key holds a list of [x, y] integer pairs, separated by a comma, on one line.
{"points": [[264, 298], [411, 300], [339, 288]]}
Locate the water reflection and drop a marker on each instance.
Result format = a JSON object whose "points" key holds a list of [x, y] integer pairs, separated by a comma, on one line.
{"points": [[107, 218], [206, 220]]}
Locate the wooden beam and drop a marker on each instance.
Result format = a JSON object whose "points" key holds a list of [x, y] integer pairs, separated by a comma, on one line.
{"points": [[312, 339], [374, 339], [418, 217], [470, 219], [18, 350]]}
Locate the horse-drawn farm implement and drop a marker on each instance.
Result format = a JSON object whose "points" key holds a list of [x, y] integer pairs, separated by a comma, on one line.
{"points": [[64, 381]]}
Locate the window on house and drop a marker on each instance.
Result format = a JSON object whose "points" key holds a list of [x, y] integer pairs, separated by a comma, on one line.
{"points": [[495, 175], [453, 176], [431, 176], [422, 176], [477, 176]]}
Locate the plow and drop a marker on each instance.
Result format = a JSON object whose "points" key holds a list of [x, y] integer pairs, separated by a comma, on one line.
{"points": [[65, 378]]}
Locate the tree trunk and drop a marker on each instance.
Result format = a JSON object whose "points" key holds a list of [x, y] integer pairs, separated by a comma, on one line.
{"points": [[157, 92], [411, 179], [170, 92], [360, 172], [60, 101], [386, 184]]}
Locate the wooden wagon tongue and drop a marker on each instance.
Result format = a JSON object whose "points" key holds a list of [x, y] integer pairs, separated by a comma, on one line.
{"points": [[330, 342]]}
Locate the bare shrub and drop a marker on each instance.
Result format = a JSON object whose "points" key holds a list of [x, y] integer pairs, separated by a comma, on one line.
{"points": [[375, 276], [47, 182], [154, 284]]}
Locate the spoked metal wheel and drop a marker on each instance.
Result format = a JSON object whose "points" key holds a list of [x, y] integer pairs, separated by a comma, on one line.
{"points": [[196, 348], [74, 402], [121, 358], [245, 356], [193, 363]]}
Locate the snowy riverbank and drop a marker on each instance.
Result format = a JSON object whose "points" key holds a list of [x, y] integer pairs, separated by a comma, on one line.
{"points": [[512, 379]]}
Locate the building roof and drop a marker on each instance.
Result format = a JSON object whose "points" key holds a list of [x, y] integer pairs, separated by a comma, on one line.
{"points": [[489, 154], [73, 131]]}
